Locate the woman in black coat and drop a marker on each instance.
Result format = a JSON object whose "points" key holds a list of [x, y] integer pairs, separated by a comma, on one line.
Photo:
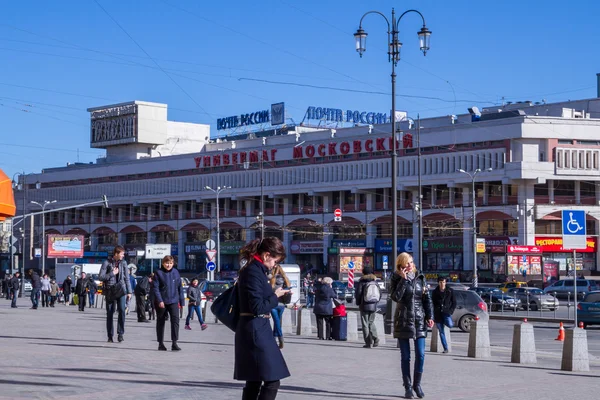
{"points": [[412, 318], [258, 358], [323, 309]]}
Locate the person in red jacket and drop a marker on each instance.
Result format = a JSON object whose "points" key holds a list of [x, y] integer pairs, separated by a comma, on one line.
{"points": [[168, 297]]}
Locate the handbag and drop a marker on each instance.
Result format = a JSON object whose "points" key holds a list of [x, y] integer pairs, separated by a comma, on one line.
{"points": [[225, 308], [115, 292]]}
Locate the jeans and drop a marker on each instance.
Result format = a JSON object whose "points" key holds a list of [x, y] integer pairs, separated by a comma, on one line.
{"points": [[35, 297], [119, 304], [310, 300], [367, 320], [45, 298], [92, 297], [173, 311], [191, 309], [67, 298], [277, 313], [405, 355], [440, 326], [15, 294]]}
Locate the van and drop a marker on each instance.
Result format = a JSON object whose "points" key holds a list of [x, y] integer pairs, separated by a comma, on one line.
{"points": [[563, 287]]}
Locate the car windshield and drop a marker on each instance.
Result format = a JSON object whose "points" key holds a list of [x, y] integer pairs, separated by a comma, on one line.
{"points": [[536, 291], [338, 285], [217, 287]]}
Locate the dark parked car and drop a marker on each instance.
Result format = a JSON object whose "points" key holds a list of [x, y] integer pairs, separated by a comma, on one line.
{"points": [[496, 299], [342, 291], [588, 311], [213, 289]]}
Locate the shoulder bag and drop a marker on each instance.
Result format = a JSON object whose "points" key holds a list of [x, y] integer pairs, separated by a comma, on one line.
{"points": [[117, 290], [225, 307]]}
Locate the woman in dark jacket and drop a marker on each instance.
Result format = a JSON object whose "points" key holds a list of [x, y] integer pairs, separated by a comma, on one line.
{"points": [[258, 359], [412, 318], [323, 309]]}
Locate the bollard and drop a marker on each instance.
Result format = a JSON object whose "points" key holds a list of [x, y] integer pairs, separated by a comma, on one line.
{"points": [[304, 327], [286, 322], [380, 328], [523, 344], [575, 351], [479, 340], [353, 326], [210, 317], [436, 341]]}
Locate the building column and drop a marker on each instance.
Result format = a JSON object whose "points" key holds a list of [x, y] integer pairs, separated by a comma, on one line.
{"points": [[151, 237], [249, 204], [526, 214], [550, 191], [468, 243], [181, 251], [287, 240], [371, 235], [327, 206], [433, 195], [504, 194], [370, 201], [93, 242], [577, 192], [387, 195], [485, 192], [287, 205], [325, 246]]}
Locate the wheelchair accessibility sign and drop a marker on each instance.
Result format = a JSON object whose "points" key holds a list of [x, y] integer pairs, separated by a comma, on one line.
{"points": [[574, 230]]}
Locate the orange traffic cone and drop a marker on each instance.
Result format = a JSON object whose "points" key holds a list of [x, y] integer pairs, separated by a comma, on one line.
{"points": [[561, 333]]}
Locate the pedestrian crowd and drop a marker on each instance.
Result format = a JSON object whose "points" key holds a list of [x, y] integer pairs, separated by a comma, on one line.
{"points": [[263, 292]]}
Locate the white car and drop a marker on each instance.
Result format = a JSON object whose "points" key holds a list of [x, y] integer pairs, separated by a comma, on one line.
{"points": [[28, 287]]}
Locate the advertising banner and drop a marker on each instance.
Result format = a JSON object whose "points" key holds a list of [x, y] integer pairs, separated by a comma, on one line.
{"points": [[499, 265], [65, 246]]}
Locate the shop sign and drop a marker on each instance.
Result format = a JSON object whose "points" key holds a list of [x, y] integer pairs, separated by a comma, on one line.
{"points": [[480, 245], [195, 248], [338, 115], [348, 243], [385, 245], [523, 249], [306, 247], [114, 126], [443, 245], [555, 245], [355, 250], [231, 247]]}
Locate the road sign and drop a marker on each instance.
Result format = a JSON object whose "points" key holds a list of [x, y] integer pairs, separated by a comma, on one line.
{"points": [[210, 244], [157, 251], [38, 252], [385, 265], [337, 215], [211, 254], [574, 229], [210, 266], [351, 265], [384, 260]]}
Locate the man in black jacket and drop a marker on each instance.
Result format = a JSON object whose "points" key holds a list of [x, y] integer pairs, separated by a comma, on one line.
{"points": [[141, 290], [36, 287], [13, 286], [444, 304], [367, 296], [81, 290]]}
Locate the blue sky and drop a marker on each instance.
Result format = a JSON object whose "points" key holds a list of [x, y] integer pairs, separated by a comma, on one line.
{"points": [[59, 58]]}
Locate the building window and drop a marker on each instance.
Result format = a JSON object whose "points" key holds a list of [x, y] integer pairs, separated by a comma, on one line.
{"points": [[540, 190], [513, 227], [495, 189], [588, 189], [385, 230], [441, 228], [166, 237], [136, 238], [307, 232], [490, 228], [564, 188], [197, 236]]}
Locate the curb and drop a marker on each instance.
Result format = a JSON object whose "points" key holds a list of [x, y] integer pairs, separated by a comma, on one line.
{"points": [[531, 319]]}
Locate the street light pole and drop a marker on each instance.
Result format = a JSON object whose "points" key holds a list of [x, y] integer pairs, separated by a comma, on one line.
{"points": [[43, 216], [421, 261], [394, 46], [474, 206], [218, 191]]}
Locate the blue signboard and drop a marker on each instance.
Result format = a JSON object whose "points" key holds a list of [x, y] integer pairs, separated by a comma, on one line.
{"points": [[95, 254], [384, 259], [210, 266], [385, 245], [337, 115], [574, 229]]}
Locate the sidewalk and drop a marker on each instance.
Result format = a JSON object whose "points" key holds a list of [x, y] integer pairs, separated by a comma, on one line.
{"points": [[62, 353]]}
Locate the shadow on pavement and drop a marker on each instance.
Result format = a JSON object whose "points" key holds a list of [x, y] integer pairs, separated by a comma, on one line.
{"points": [[30, 383], [573, 374], [104, 371], [107, 346], [47, 338]]}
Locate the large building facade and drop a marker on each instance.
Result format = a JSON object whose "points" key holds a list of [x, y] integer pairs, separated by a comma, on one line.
{"points": [[536, 160]]}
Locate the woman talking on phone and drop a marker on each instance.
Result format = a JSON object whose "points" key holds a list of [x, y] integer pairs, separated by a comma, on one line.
{"points": [[412, 318], [258, 359]]}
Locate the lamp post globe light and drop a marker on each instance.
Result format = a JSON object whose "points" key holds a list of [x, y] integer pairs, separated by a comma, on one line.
{"points": [[474, 206], [394, 46], [43, 206], [217, 192]]}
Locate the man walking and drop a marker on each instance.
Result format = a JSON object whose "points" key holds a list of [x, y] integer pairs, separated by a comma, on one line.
{"points": [[367, 296], [444, 303], [13, 287], [66, 287], [36, 287], [81, 290], [141, 290]]}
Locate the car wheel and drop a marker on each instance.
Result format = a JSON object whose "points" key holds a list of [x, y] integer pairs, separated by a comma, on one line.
{"points": [[533, 306], [465, 322]]}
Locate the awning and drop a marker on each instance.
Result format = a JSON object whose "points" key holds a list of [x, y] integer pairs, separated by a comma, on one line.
{"points": [[7, 199]]}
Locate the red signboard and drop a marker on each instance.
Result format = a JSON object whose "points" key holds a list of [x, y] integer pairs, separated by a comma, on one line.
{"points": [[554, 244], [65, 246], [523, 249]]}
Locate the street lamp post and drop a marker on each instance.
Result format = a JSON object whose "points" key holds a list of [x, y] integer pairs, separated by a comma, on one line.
{"points": [[218, 191], [43, 206], [474, 206], [394, 46]]}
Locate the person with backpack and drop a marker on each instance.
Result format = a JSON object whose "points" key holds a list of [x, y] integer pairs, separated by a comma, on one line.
{"points": [[367, 296], [141, 290]]}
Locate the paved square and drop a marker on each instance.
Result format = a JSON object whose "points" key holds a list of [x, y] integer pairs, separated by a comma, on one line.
{"points": [[61, 353]]}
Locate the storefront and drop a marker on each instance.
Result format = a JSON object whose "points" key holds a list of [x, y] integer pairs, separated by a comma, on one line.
{"points": [[195, 257], [383, 248], [524, 262], [554, 253], [230, 258], [308, 254], [444, 254], [492, 263]]}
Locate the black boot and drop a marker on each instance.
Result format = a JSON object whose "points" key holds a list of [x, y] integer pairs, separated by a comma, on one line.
{"points": [[408, 392], [417, 385]]}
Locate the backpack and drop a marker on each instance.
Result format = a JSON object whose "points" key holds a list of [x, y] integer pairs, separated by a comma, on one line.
{"points": [[371, 293]]}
